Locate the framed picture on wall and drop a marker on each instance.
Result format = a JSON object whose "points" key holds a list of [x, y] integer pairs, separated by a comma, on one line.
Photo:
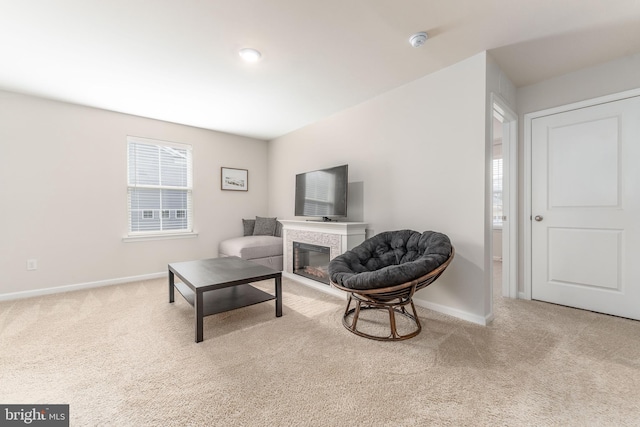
{"points": [[235, 179]]}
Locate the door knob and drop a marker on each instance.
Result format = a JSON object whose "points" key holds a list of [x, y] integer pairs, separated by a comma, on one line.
{"points": [[538, 218]]}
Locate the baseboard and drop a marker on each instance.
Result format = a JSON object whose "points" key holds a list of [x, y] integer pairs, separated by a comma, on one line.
{"points": [[79, 286], [327, 289], [450, 311]]}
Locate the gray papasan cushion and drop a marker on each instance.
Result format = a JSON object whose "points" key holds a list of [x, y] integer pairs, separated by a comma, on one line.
{"points": [[390, 258]]}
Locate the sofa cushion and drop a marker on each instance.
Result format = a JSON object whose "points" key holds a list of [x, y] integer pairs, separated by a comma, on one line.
{"points": [[248, 225], [278, 232], [264, 226], [250, 247], [390, 258]]}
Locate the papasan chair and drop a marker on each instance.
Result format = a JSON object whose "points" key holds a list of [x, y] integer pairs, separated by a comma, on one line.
{"points": [[385, 271]]}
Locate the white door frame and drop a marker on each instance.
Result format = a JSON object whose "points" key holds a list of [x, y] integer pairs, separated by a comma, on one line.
{"points": [[510, 199], [527, 214]]}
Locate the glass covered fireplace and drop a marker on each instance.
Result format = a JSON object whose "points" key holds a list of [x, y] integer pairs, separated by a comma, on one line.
{"points": [[311, 261]]}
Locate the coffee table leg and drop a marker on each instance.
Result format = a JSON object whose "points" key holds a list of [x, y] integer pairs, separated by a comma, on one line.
{"points": [[171, 284], [198, 305], [278, 296]]}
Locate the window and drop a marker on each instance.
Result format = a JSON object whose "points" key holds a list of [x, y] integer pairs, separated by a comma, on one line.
{"points": [[497, 192], [159, 182]]}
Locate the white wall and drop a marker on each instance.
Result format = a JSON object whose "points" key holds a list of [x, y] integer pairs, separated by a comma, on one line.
{"points": [[500, 84], [418, 155], [497, 243], [605, 79], [63, 193]]}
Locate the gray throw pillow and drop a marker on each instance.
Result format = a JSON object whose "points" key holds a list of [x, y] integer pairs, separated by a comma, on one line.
{"points": [[278, 232], [248, 226], [264, 226]]}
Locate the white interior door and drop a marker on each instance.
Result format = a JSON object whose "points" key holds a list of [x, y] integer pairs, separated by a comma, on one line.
{"points": [[585, 199]]}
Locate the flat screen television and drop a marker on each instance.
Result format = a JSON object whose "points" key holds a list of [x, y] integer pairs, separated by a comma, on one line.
{"points": [[322, 193]]}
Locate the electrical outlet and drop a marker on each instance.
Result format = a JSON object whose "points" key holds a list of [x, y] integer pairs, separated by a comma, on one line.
{"points": [[32, 264]]}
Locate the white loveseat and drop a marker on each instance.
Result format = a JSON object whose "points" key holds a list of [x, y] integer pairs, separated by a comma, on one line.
{"points": [[261, 243]]}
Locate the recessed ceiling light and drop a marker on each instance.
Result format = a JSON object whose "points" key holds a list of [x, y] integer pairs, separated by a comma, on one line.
{"points": [[250, 55]]}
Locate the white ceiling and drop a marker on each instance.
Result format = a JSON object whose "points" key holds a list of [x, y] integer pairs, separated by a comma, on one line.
{"points": [[176, 60]]}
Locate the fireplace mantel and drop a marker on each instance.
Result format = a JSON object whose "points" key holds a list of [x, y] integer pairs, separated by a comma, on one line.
{"points": [[339, 237]]}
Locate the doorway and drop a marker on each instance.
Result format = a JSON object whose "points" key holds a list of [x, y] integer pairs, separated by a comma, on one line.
{"points": [[503, 199]]}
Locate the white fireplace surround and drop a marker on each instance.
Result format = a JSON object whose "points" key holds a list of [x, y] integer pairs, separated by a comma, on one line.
{"points": [[339, 237]]}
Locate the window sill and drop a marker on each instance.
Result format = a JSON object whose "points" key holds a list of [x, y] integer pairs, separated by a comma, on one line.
{"points": [[146, 237]]}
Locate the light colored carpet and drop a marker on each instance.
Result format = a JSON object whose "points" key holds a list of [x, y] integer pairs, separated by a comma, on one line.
{"points": [[123, 356]]}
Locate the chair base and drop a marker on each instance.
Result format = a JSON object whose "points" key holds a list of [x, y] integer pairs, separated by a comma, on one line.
{"points": [[392, 308]]}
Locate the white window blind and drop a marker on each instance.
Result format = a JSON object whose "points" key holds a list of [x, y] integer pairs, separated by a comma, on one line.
{"points": [[159, 190], [497, 192]]}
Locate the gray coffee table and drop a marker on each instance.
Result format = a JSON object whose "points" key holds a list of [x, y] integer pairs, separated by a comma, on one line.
{"points": [[221, 284]]}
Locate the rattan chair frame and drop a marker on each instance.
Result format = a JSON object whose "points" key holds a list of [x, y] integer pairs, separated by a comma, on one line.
{"points": [[394, 299]]}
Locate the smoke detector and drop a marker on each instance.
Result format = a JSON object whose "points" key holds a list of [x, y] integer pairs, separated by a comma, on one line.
{"points": [[418, 39]]}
